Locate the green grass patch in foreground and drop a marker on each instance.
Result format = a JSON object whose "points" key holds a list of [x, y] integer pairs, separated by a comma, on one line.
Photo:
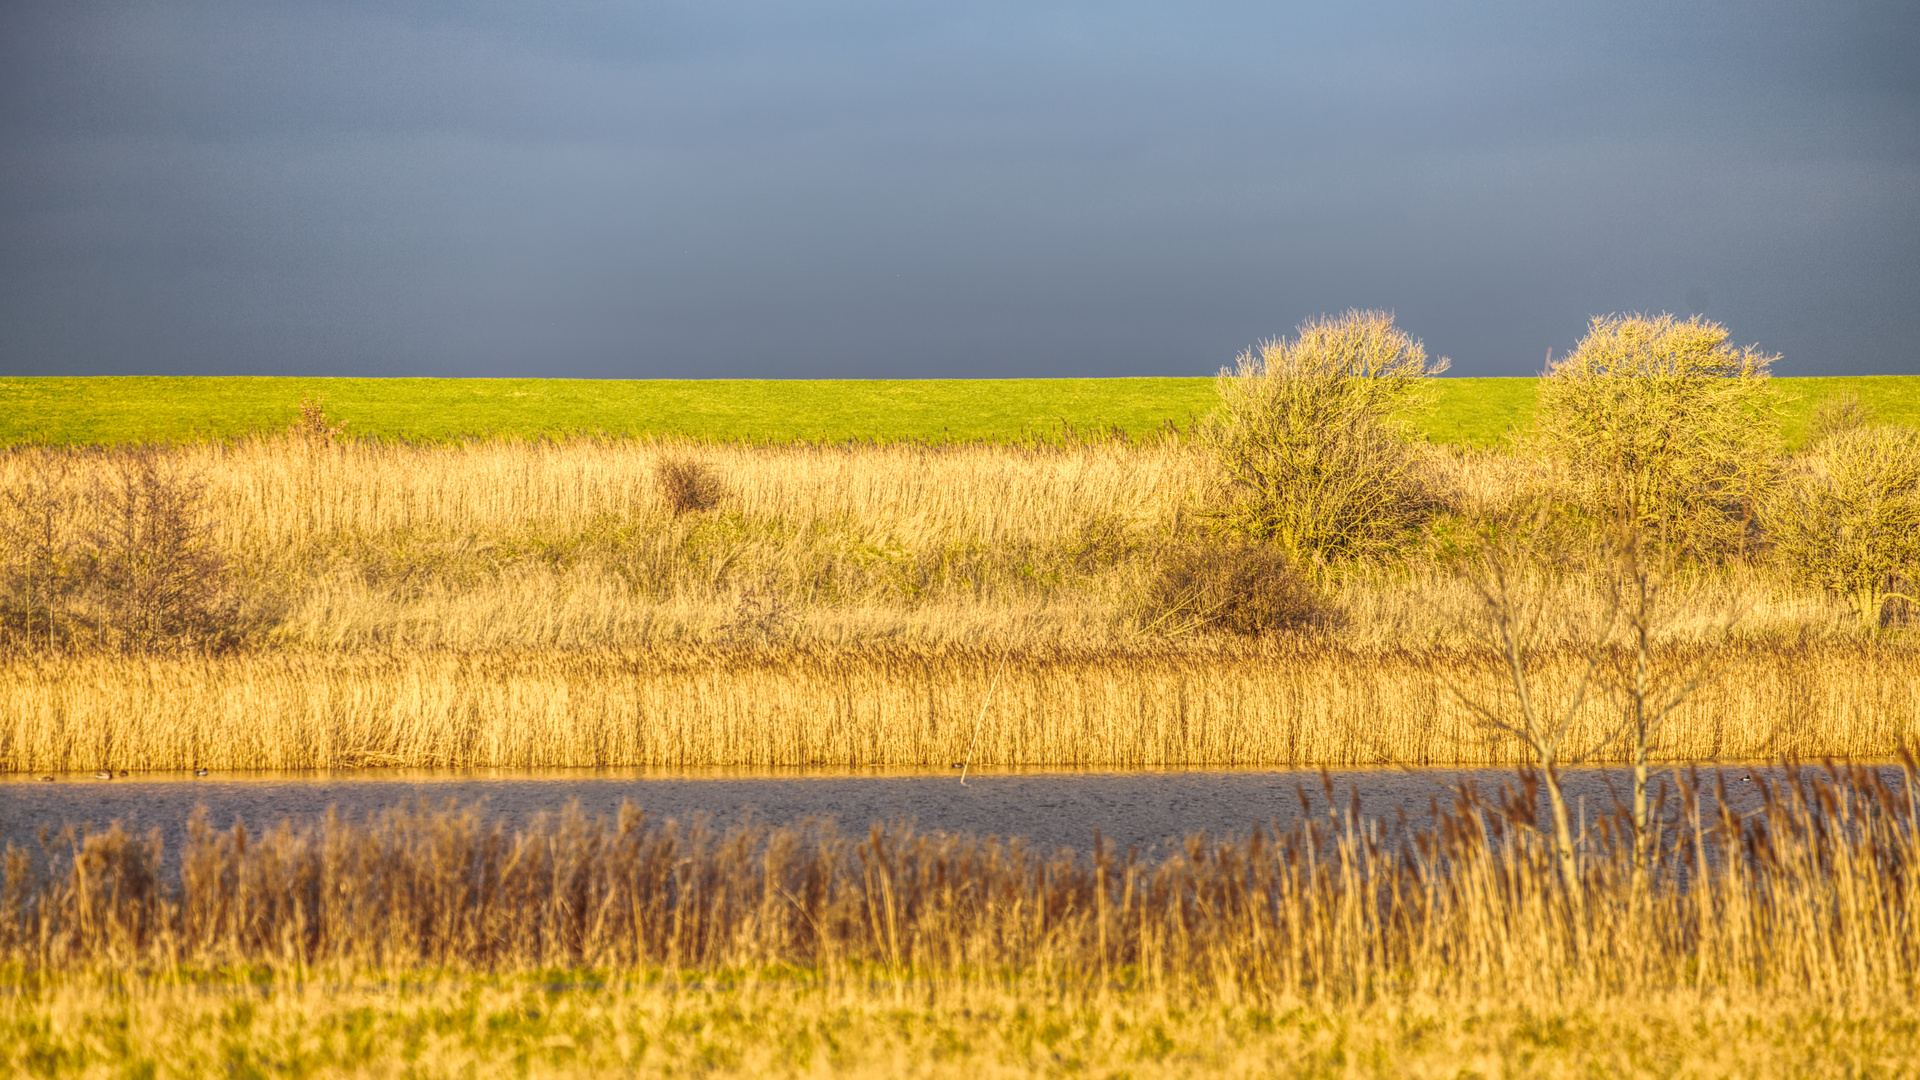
{"points": [[431, 1026], [1472, 412]]}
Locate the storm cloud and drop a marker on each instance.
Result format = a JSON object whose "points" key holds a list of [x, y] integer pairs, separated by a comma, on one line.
{"points": [[737, 188]]}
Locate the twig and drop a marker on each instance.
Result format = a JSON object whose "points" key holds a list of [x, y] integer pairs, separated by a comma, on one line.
{"points": [[967, 761]]}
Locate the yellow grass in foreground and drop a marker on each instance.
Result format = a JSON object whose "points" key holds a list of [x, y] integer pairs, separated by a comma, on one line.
{"points": [[744, 1025], [797, 705], [1813, 894], [1781, 943]]}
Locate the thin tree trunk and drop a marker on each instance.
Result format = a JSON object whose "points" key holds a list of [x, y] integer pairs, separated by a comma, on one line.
{"points": [[1642, 742], [1562, 834]]}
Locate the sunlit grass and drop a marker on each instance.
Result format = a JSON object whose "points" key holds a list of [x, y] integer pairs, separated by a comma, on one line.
{"points": [[438, 942], [114, 410], [506, 603], [747, 1024], [76, 410], [797, 705]]}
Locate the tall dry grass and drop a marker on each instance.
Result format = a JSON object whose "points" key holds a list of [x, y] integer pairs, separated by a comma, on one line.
{"points": [[537, 544], [566, 603], [531, 543], [1272, 703], [1811, 898], [277, 500]]}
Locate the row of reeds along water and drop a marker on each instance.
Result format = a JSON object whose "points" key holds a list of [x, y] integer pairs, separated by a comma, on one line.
{"points": [[1289, 703], [1814, 895]]}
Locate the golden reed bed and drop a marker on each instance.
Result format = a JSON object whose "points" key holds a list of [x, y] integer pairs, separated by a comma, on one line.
{"points": [[796, 705], [442, 942], [426, 942], [1811, 896], [552, 604]]}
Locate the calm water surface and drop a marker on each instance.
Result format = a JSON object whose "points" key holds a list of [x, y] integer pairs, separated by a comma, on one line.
{"points": [[1050, 809]]}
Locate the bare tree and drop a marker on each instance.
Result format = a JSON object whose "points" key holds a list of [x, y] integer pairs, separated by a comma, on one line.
{"points": [[39, 563], [154, 567], [1508, 578], [1648, 690]]}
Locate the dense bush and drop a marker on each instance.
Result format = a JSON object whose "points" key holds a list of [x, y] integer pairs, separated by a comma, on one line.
{"points": [[1846, 517], [152, 566], [688, 486], [1664, 426], [1237, 588], [144, 575], [1308, 441]]}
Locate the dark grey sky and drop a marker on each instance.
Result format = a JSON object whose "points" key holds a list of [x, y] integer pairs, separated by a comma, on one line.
{"points": [[721, 188]]}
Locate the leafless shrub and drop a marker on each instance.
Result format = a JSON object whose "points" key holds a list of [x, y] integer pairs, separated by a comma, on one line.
{"points": [[1513, 568], [1646, 682], [1509, 572], [313, 423], [1237, 588], [760, 614], [688, 486], [1836, 415], [40, 573], [1100, 541], [152, 566], [1309, 440]]}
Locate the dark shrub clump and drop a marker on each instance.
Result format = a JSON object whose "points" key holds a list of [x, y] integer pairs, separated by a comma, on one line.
{"points": [[689, 486], [1236, 588]]}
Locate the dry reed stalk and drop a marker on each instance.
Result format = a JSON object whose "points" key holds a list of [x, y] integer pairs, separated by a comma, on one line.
{"points": [[591, 607], [797, 704], [1811, 898]]}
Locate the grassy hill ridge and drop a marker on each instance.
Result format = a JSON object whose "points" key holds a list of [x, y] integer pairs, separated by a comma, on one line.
{"points": [[80, 410]]}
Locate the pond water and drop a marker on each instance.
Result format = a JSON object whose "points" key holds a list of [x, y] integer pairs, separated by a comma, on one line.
{"points": [[1050, 808]]}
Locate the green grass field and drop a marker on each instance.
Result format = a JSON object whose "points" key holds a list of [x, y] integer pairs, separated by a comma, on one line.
{"points": [[1477, 412]]}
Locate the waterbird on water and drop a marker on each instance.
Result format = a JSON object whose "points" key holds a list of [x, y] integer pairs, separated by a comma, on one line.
{"points": [[103, 774], [199, 772]]}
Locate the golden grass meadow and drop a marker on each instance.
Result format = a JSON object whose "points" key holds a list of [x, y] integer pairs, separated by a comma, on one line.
{"points": [[545, 604], [1648, 577]]}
